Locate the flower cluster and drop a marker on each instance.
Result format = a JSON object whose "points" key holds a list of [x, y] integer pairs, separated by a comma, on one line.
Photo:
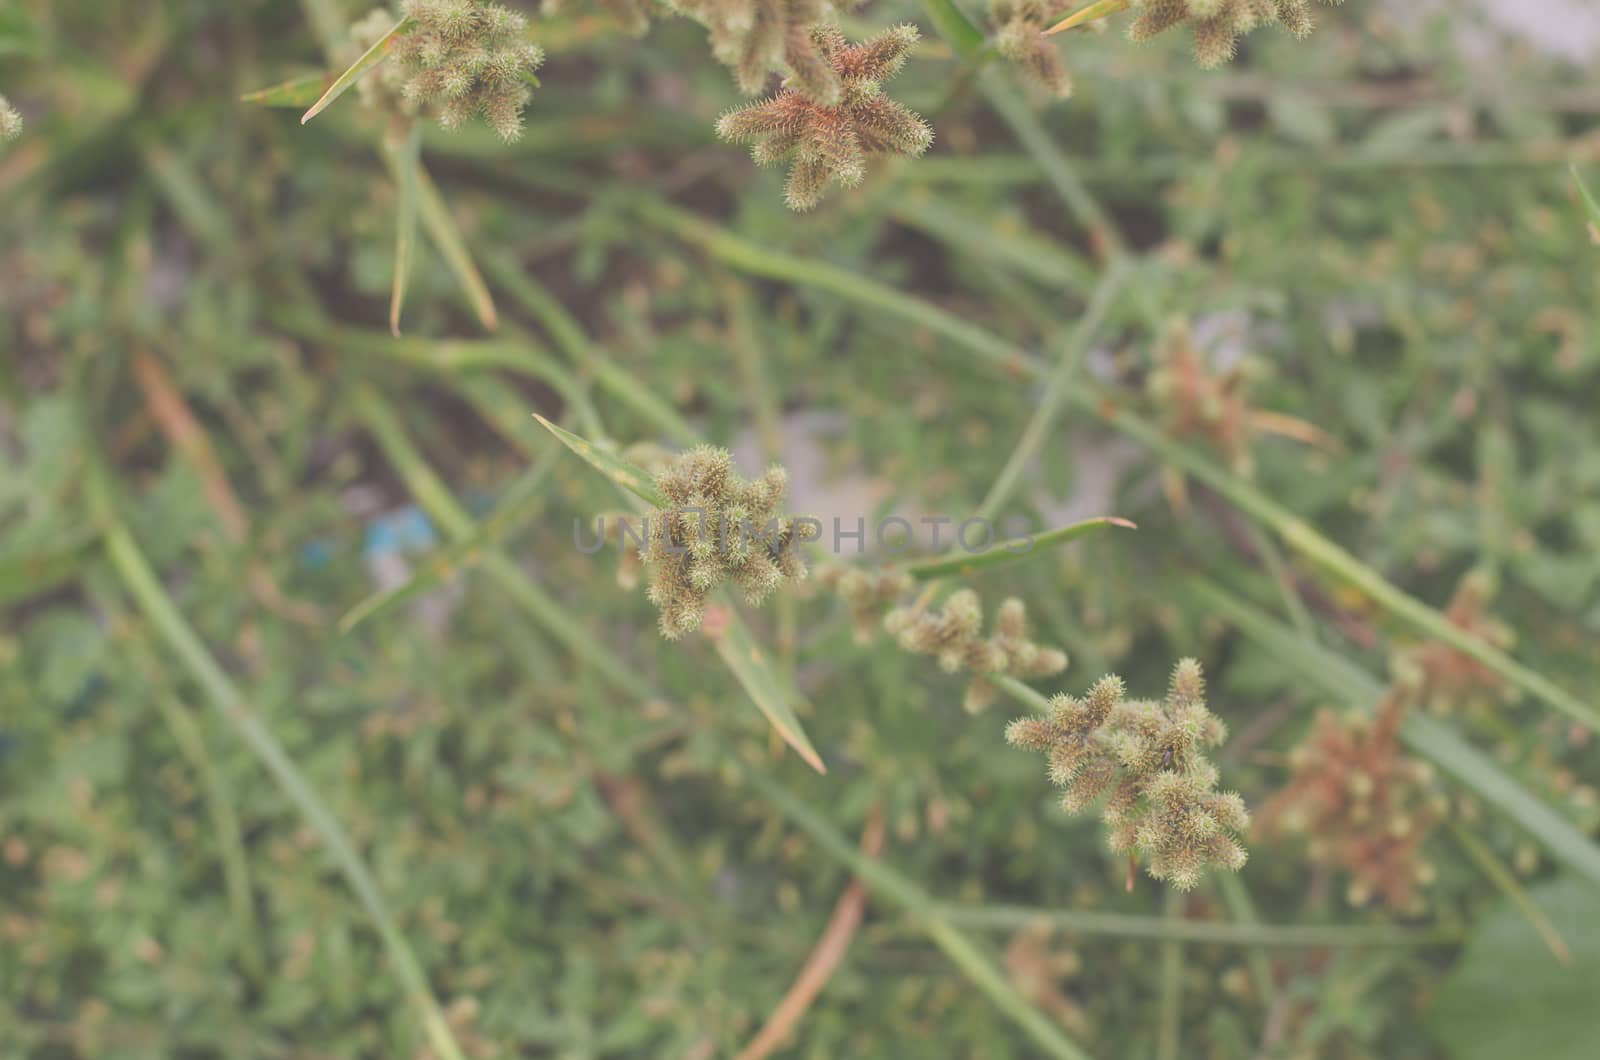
{"points": [[459, 59], [1443, 678], [1365, 806], [10, 120], [1200, 402], [719, 527], [829, 141], [1164, 805], [1019, 27], [866, 593], [1218, 24], [954, 634], [758, 38]]}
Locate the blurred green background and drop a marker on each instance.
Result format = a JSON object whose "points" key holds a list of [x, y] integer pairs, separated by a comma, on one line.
{"points": [[501, 817]]}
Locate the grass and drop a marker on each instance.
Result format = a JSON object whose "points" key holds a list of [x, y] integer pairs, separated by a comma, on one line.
{"points": [[452, 795]]}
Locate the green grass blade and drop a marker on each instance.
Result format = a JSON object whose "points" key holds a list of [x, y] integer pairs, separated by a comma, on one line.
{"points": [[1590, 206], [372, 57], [570, 337], [296, 92], [757, 260], [1089, 13], [955, 27], [1246, 935], [408, 159], [1040, 424], [772, 695], [142, 584], [1014, 550], [635, 480], [1500, 874], [224, 822], [1302, 538], [1031, 131], [441, 226], [1169, 1003]]}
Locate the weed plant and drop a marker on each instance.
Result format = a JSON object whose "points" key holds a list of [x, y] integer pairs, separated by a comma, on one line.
{"points": [[321, 735]]}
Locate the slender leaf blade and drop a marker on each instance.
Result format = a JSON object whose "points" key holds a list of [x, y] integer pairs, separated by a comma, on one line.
{"points": [[1015, 550], [635, 480], [520, 500], [370, 58], [441, 228], [954, 26], [1590, 206], [772, 695], [297, 92], [408, 160], [1089, 13]]}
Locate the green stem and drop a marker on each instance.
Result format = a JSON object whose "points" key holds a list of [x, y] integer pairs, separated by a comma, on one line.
{"points": [[1037, 141], [1169, 1020], [1209, 932], [1043, 419]]}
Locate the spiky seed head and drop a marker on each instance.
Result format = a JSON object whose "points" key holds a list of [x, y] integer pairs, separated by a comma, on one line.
{"points": [[1163, 801], [10, 120]]}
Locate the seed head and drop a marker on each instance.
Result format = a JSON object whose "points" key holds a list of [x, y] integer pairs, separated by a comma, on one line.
{"points": [[1019, 27], [10, 120], [1445, 679], [954, 635], [758, 38], [1162, 805], [866, 593], [1218, 24], [718, 527], [1365, 807], [830, 141], [461, 59]]}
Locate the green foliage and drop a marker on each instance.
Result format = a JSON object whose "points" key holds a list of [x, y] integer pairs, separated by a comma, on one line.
{"points": [[593, 842], [1508, 994]]}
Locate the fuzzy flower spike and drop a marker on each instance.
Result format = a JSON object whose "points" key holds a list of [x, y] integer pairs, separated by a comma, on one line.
{"points": [[756, 38], [464, 58], [719, 528], [10, 120], [1218, 24], [1164, 806], [831, 142]]}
